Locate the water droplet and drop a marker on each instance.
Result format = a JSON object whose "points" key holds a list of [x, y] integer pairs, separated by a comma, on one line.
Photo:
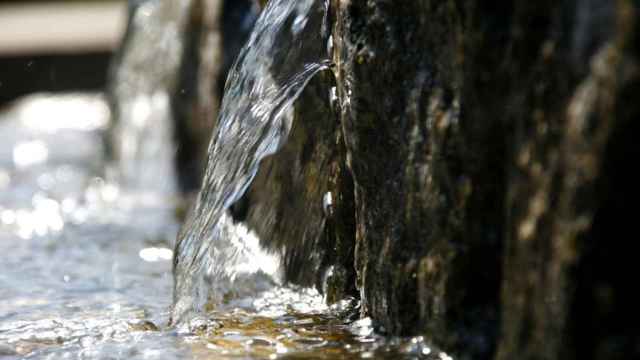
{"points": [[333, 98], [153, 254], [327, 204], [30, 153]]}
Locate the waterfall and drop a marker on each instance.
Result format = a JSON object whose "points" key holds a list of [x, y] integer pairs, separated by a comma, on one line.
{"points": [[213, 256]]}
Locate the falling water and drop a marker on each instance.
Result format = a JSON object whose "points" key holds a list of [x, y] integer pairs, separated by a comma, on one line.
{"points": [[145, 75], [286, 49]]}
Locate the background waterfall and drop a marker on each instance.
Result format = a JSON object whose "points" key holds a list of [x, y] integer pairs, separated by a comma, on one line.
{"points": [[144, 78], [287, 48]]}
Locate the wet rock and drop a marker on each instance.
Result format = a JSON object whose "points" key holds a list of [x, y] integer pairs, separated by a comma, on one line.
{"points": [[562, 182], [481, 139], [142, 325], [401, 114]]}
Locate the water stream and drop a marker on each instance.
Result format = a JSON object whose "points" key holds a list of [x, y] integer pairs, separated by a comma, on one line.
{"points": [[286, 49]]}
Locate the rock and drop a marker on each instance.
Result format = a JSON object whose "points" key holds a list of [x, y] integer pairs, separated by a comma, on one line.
{"points": [[400, 88], [481, 138], [561, 185], [472, 178], [216, 32]]}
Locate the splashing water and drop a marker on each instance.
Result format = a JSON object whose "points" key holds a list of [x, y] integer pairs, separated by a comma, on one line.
{"points": [[287, 48]]}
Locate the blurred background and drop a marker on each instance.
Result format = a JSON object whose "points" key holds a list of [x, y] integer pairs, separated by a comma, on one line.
{"points": [[53, 46]]}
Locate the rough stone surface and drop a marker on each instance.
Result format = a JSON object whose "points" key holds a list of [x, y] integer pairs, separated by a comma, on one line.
{"points": [[564, 122], [401, 113], [477, 135]]}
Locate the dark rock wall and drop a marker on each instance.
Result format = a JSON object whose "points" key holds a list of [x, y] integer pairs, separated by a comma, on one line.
{"points": [[479, 136], [401, 118], [561, 131]]}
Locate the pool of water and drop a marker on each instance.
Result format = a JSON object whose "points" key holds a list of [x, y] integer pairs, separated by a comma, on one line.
{"points": [[85, 264]]}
